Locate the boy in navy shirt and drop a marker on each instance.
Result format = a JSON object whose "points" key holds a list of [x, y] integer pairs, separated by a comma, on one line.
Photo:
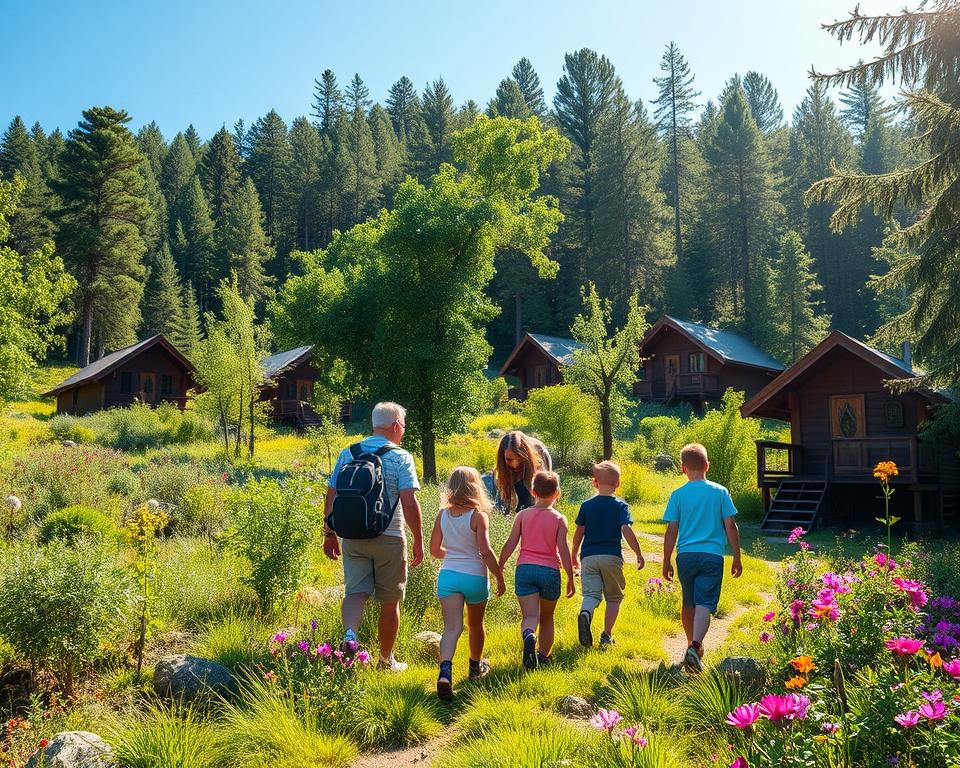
{"points": [[700, 521], [601, 523]]}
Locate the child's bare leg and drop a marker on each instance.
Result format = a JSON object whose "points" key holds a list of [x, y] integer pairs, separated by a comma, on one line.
{"points": [[475, 629], [530, 611], [452, 609], [610, 613], [701, 622], [547, 607], [686, 619]]}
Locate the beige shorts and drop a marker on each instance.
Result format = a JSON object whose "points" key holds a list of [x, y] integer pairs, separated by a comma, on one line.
{"points": [[375, 567], [601, 575]]}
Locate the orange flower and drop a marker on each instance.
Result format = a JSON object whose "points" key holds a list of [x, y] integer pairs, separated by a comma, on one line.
{"points": [[803, 664], [934, 660], [796, 682], [820, 738], [885, 470]]}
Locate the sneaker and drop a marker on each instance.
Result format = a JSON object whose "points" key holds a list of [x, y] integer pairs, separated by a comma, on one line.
{"points": [[350, 644], [542, 660], [479, 669], [445, 683], [583, 629], [691, 661], [605, 640], [392, 665], [530, 650]]}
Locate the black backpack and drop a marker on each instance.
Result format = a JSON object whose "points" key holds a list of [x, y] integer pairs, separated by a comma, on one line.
{"points": [[361, 509]]}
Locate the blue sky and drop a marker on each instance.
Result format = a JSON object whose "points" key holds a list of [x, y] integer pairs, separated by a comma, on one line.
{"points": [[210, 62]]}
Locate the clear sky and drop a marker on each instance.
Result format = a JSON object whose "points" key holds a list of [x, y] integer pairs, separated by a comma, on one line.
{"points": [[209, 62]]}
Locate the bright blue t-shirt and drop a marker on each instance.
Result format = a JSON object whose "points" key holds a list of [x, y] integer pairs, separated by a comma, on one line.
{"points": [[700, 506], [602, 518]]}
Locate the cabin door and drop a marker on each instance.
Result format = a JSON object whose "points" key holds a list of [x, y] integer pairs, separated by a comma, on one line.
{"points": [[304, 390], [671, 368], [148, 387]]}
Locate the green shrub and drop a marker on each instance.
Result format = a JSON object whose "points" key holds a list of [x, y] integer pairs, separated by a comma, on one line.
{"points": [[500, 421], [203, 510], [662, 434], [72, 523], [730, 441], [136, 428], [638, 484], [233, 641], [396, 713], [63, 426], [168, 480], [274, 524], [162, 738], [564, 418], [497, 393], [61, 607]]}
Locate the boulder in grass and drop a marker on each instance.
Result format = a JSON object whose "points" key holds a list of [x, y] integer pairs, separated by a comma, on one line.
{"points": [[575, 707], [68, 444], [664, 462], [428, 644], [188, 678], [743, 670], [74, 749]]}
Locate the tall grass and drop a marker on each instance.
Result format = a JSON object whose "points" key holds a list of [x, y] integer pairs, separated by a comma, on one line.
{"points": [[160, 738], [396, 712]]}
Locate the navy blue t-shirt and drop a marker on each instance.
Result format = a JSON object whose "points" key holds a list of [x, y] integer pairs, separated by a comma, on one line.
{"points": [[602, 517]]}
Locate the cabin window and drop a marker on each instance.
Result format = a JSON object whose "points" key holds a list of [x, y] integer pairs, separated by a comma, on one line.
{"points": [[696, 362], [642, 373], [126, 382], [540, 376], [893, 414], [166, 384]]}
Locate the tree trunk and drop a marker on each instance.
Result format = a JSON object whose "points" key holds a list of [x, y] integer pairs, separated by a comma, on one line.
{"points": [[223, 426], [606, 428], [236, 445], [429, 445], [252, 409], [86, 336]]}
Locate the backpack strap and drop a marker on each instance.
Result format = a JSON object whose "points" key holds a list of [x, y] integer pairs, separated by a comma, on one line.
{"points": [[384, 449]]}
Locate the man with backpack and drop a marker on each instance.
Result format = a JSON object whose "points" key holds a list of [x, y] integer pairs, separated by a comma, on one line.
{"points": [[371, 492]]}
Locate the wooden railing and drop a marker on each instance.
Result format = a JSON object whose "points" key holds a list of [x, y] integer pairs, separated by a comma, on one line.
{"points": [[643, 388], [697, 384], [776, 461], [856, 457], [119, 401]]}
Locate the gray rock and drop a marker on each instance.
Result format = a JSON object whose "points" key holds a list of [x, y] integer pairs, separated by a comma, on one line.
{"points": [[188, 678], [744, 670], [68, 444], [74, 749], [574, 706], [663, 462], [428, 644]]}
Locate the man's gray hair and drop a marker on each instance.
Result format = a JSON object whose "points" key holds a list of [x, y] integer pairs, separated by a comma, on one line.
{"points": [[385, 414]]}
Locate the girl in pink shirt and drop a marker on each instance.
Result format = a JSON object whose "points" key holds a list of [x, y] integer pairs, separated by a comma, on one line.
{"points": [[541, 532]]}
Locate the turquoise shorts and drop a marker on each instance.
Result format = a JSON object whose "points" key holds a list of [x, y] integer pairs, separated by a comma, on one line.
{"points": [[475, 589]]}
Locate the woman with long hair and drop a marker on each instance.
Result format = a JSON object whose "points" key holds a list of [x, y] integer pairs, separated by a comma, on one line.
{"points": [[519, 458]]}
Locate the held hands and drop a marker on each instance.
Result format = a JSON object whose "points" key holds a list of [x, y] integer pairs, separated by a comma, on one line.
{"points": [[668, 570], [575, 565], [571, 586], [501, 585], [736, 570]]}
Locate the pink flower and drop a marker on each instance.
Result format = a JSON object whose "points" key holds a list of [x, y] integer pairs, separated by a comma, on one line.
{"points": [[363, 657], [606, 720], [952, 668], [304, 647], [792, 706], [324, 650], [914, 590], [795, 535], [740, 762], [933, 710], [903, 646], [830, 727], [825, 606], [280, 637], [884, 561], [907, 719], [764, 637], [769, 616], [744, 716], [632, 733], [804, 545], [796, 610], [936, 695]]}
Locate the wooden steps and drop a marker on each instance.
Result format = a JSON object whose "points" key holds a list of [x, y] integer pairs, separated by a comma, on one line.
{"points": [[796, 504]]}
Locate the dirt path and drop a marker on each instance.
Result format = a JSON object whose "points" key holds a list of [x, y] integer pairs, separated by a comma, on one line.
{"points": [[420, 755]]}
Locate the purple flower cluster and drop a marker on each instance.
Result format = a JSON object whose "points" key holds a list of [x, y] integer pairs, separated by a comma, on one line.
{"points": [[941, 624]]}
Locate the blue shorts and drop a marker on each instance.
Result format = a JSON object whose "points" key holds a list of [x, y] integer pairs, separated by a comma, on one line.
{"points": [[531, 579], [475, 589], [701, 576]]}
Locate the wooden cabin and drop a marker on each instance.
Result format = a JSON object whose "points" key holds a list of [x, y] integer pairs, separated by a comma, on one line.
{"points": [[844, 418], [151, 371], [291, 379], [689, 362], [538, 361]]}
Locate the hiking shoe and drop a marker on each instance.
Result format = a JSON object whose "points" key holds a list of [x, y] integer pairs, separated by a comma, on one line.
{"points": [[691, 661], [583, 629], [530, 651], [605, 640], [392, 665], [479, 669], [542, 660]]}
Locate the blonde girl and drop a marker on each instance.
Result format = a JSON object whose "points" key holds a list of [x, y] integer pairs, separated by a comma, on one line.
{"points": [[461, 540]]}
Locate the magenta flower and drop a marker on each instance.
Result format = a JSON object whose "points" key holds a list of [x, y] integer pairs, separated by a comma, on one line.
{"points": [[280, 637], [914, 590], [830, 727], [780, 708], [744, 716], [764, 637], [324, 650], [952, 668], [907, 719], [304, 647], [769, 616], [363, 657], [795, 535], [884, 561], [796, 610], [933, 710], [804, 545], [825, 606], [936, 695], [740, 762], [632, 733], [904, 646], [606, 720]]}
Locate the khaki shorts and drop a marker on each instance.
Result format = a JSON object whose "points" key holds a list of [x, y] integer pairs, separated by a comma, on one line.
{"points": [[601, 574], [375, 567]]}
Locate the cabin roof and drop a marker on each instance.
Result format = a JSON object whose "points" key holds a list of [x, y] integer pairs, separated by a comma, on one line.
{"points": [[109, 363], [559, 349], [276, 364], [726, 346], [762, 404]]}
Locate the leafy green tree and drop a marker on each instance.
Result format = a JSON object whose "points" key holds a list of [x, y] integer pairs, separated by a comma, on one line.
{"points": [[509, 101], [922, 45], [528, 81], [799, 327], [162, 305], [327, 102], [269, 165], [306, 148], [33, 293], [764, 102], [220, 173], [425, 265], [564, 418], [30, 226], [730, 441], [403, 106], [100, 228], [608, 362], [243, 244], [176, 175]]}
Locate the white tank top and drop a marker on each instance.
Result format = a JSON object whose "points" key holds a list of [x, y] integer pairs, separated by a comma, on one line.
{"points": [[460, 544]]}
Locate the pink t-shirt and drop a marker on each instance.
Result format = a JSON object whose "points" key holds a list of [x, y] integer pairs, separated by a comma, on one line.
{"points": [[538, 536]]}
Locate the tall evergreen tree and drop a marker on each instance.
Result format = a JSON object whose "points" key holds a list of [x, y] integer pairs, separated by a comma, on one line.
{"points": [[100, 238], [764, 102], [388, 151], [162, 305], [220, 173], [187, 336], [176, 175], [438, 115], [193, 141], [156, 226], [30, 225], [269, 166], [194, 243], [244, 245], [529, 83], [403, 106], [327, 102], [306, 149], [356, 157], [509, 101], [673, 105], [241, 140], [862, 101], [153, 146], [798, 325]]}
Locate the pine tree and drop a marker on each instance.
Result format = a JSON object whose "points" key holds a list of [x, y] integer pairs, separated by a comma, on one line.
{"points": [[241, 140], [244, 245], [673, 105], [153, 146], [403, 106], [269, 166], [306, 148], [509, 101], [193, 142], [437, 107], [176, 175], [187, 336], [220, 173], [529, 83], [327, 102], [162, 306], [764, 102], [30, 226], [862, 101], [194, 243], [798, 326], [388, 151], [356, 159], [103, 209], [464, 117], [156, 226]]}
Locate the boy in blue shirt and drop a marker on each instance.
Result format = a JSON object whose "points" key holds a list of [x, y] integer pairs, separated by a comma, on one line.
{"points": [[700, 521], [601, 523]]}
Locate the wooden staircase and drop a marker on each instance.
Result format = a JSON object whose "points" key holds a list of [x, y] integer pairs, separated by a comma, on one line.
{"points": [[797, 503]]}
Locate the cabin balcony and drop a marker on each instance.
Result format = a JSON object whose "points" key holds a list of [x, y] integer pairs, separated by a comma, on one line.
{"points": [[125, 400], [696, 386]]}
